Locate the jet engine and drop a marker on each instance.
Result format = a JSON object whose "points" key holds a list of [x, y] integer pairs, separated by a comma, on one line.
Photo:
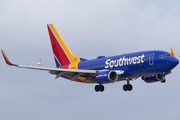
{"points": [[155, 78], [106, 77]]}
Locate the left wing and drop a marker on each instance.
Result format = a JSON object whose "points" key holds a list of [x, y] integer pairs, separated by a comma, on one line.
{"points": [[74, 73]]}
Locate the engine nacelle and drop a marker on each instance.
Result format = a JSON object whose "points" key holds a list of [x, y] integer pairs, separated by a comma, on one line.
{"points": [[154, 78], [106, 77]]}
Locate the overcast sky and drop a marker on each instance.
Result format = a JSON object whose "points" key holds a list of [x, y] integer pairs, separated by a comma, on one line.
{"points": [[90, 28]]}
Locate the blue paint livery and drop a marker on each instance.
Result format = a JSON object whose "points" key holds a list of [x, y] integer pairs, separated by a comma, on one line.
{"points": [[152, 64], [57, 63]]}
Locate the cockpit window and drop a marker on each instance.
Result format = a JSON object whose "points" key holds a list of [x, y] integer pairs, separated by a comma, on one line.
{"points": [[167, 55]]}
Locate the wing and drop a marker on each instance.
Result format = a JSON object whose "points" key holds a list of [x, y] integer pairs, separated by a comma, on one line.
{"points": [[78, 75], [73, 74]]}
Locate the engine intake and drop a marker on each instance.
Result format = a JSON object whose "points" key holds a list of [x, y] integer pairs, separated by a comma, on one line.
{"points": [[154, 78], [106, 77]]}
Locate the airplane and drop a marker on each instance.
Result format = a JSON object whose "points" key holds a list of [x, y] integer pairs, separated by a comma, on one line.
{"points": [[151, 66], [39, 63]]}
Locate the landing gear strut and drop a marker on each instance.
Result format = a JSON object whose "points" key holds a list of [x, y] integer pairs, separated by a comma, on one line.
{"points": [[127, 86], [99, 88]]}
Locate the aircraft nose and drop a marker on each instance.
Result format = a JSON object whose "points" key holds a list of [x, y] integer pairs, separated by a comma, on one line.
{"points": [[174, 62]]}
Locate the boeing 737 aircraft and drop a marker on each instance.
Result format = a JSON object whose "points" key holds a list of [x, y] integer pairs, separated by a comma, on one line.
{"points": [[150, 66]]}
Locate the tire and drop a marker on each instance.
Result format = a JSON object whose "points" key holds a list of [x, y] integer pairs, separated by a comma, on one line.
{"points": [[97, 88], [125, 87], [101, 88], [130, 87], [163, 81]]}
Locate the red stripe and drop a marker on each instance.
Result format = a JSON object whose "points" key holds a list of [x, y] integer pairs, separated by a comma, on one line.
{"points": [[65, 67], [57, 50], [7, 61]]}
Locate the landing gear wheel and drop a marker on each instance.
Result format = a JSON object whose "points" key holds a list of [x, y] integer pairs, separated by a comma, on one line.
{"points": [[130, 87], [99, 88], [163, 81], [125, 87]]}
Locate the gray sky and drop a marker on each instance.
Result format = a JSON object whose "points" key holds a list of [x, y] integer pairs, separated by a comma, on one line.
{"points": [[89, 28]]}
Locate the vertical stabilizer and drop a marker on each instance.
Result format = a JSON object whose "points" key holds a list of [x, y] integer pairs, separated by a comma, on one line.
{"points": [[63, 56]]}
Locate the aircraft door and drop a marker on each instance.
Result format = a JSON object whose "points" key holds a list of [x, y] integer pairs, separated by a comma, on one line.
{"points": [[151, 59]]}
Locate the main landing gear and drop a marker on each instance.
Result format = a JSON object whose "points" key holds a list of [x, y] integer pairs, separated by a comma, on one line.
{"points": [[127, 86], [99, 88]]}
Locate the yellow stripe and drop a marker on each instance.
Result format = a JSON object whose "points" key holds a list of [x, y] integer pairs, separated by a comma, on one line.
{"points": [[87, 81], [173, 52], [5, 55], [73, 59]]}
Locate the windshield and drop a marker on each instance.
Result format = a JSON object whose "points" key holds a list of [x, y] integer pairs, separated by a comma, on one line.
{"points": [[167, 55]]}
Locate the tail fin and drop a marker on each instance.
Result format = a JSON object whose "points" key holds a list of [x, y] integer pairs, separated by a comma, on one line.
{"points": [[63, 56]]}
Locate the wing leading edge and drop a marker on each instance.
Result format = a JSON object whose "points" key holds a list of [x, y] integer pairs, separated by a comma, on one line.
{"points": [[75, 73]]}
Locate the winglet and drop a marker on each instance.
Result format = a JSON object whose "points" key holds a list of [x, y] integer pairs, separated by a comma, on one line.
{"points": [[172, 52], [6, 59]]}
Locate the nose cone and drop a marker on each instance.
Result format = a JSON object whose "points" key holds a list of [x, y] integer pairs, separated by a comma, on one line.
{"points": [[174, 62]]}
